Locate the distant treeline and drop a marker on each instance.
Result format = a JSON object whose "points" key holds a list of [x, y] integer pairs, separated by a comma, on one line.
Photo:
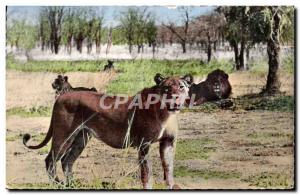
{"points": [[240, 26]]}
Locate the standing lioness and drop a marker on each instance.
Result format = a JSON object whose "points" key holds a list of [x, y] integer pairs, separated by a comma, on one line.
{"points": [[147, 117]]}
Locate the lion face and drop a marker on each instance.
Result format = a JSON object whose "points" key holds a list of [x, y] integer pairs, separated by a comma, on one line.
{"points": [[219, 80], [173, 90], [58, 83]]}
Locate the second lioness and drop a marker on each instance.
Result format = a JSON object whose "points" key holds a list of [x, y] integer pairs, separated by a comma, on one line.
{"points": [[61, 86]]}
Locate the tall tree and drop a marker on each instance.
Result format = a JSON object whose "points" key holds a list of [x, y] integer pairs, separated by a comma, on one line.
{"points": [[151, 32], [55, 16], [275, 27], [237, 31], [14, 32], [97, 32], [68, 29], [81, 27], [44, 30], [129, 20]]}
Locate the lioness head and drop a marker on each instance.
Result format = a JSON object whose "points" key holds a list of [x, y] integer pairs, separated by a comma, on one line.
{"points": [[173, 90], [59, 82]]}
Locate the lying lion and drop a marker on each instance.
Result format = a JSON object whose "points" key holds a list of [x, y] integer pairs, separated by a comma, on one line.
{"points": [[61, 86], [79, 115], [215, 87]]}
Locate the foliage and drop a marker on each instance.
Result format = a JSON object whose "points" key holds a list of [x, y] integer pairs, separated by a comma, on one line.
{"points": [[56, 66], [271, 180], [40, 111], [138, 27], [54, 15], [22, 35], [44, 30], [288, 64], [68, 27], [261, 23], [280, 103]]}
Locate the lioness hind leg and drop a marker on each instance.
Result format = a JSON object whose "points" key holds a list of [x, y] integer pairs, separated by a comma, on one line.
{"points": [[51, 166], [146, 167], [74, 152], [58, 150]]}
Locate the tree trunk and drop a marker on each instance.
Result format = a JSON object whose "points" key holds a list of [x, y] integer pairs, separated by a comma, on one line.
{"points": [[56, 41], [42, 44], [98, 46], [273, 49], [247, 58], [236, 55], [139, 48], [241, 57], [215, 46], [183, 45], [56, 47], [89, 46], [79, 44], [69, 44], [208, 48], [130, 47], [153, 49]]}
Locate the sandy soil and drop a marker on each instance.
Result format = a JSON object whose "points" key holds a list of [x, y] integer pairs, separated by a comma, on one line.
{"points": [[236, 149]]}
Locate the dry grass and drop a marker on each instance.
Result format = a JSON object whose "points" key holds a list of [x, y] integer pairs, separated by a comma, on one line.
{"points": [[33, 89], [248, 83]]}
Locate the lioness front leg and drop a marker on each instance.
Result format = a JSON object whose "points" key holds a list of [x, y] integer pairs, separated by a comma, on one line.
{"points": [[146, 169], [166, 150]]}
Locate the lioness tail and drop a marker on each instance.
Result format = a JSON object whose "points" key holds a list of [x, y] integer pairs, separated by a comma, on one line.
{"points": [[27, 136]]}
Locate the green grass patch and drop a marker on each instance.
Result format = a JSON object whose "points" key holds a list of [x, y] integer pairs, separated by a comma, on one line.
{"points": [[258, 135], [277, 103], [271, 180], [206, 174], [40, 111], [259, 67], [77, 184], [288, 64], [55, 66], [12, 138], [193, 149], [136, 75]]}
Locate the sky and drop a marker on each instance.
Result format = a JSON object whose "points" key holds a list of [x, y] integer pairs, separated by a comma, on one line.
{"points": [[162, 13]]}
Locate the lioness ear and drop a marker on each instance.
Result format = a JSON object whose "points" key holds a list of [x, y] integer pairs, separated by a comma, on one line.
{"points": [[188, 78], [66, 78], [158, 78]]}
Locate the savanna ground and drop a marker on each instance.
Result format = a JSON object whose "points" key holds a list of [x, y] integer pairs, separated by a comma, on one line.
{"points": [[248, 146]]}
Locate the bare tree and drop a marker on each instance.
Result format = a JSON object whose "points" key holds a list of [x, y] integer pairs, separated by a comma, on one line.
{"points": [[207, 29], [181, 32]]}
